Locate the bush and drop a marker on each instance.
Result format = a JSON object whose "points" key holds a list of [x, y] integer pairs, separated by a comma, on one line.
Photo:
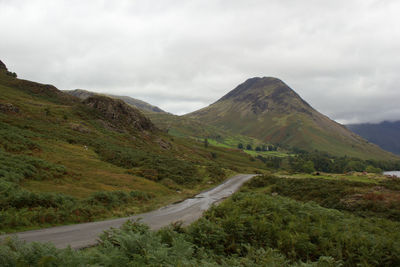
{"points": [[152, 166], [116, 198], [13, 139], [15, 168], [299, 231], [372, 169], [341, 195]]}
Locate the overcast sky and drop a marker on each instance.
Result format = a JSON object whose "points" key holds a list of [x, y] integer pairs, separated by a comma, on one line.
{"points": [[342, 56]]}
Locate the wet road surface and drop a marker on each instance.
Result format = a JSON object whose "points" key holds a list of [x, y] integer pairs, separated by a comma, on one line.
{"points": [[85, 234]]}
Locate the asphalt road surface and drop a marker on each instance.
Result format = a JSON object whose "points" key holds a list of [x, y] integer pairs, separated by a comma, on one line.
{"points": [[85, 234]]}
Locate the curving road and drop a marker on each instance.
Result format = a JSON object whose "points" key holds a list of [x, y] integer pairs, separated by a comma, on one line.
{"points": [[84, 235]]}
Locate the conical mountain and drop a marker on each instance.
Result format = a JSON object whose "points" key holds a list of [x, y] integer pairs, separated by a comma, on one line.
{"points": [[267, 109]]}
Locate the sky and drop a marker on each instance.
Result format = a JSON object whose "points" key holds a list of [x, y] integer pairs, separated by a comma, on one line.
{"points": [[342, 56]]}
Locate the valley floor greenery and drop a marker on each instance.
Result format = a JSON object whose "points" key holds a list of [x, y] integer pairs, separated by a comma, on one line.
{"points": [[255, 227], [61, 162]]}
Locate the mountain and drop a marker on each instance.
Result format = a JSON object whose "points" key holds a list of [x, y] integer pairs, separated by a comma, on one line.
{"points": [[143, 106], [385, 134], [267, 109], [64, 160]]}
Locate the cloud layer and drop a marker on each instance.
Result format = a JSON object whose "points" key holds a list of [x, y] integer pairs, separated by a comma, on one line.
{"points": [[340, 56]]}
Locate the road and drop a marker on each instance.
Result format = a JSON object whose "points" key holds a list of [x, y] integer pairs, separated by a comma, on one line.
{"points": [[85, 234]]}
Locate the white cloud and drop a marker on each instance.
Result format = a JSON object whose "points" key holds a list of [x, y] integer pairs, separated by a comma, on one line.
{"points": [[341, 56]]}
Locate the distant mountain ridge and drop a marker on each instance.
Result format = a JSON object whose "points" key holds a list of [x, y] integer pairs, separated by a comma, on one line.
{"points": [[267, 109], [385, 134], [142, 105]]}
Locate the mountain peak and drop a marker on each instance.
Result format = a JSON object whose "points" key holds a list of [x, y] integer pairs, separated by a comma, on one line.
{"points": [[269, 110], [266, 94], [253, 84]]}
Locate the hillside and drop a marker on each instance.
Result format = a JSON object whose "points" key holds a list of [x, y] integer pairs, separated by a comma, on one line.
{"points": [[267, 109], [63, 160], [143, 106], [385, 134]]}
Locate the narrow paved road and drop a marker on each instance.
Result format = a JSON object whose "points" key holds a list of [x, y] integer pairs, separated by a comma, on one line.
{"points": [[85, 234]]}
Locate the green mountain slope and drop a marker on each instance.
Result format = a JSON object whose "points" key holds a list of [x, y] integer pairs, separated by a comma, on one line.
{"points": [[267, 109], [143, 106], [179, 126], [63, 160]]}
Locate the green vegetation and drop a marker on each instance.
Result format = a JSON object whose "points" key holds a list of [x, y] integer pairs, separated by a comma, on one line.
{"points": [[149, 165], [300, 231], [135, 245], [63, 161], [252, 228], [15, 168], [59, 156], [307, 162], [268, 110], [380, 199]]}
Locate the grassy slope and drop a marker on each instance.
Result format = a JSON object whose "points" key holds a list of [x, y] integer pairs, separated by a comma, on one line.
{"points": [[50, 121], [288, 120], [182, 126]]}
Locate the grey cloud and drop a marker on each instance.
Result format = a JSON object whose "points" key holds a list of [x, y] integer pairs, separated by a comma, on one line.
{"points": [[340, 56]]}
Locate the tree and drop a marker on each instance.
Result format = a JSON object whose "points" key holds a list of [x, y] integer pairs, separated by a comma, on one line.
{"points": [[308, 167], [248, 147], [240, 146], [355, 165], [258, 148], [372, 169], [274, 162]]}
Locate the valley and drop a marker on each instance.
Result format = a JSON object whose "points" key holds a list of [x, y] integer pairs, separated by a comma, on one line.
{"points": [[75, 163]]}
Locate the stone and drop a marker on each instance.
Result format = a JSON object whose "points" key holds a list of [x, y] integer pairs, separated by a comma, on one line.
{"points": [[8, 108]]}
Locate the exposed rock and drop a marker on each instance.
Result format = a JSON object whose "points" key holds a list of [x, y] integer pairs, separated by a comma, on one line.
{"points": [[141, 105], [2, 66], [163, 144], [8, 108], [79, 128], [119, 114]]}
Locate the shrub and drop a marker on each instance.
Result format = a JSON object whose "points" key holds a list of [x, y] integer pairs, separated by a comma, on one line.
{"points": [[299, 231], [13, 139], [372, 169], [15, 168], [152, 166]]}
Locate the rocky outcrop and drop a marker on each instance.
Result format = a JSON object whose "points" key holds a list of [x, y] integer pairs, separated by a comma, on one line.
{"points": [[118, 114], [139, 104], [8, 108], [2, 66], [79, 128]]}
